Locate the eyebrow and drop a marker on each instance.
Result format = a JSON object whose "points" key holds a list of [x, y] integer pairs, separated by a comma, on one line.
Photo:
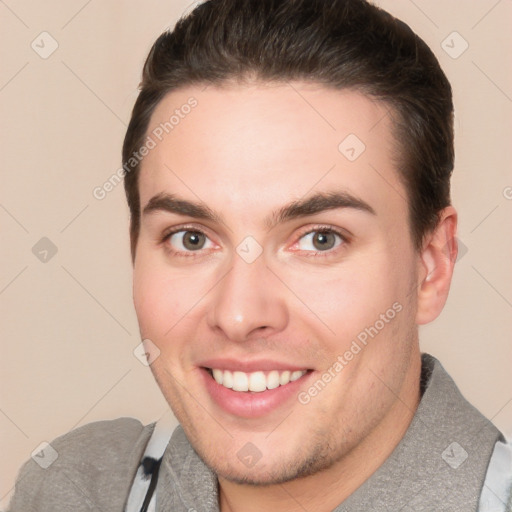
{"points": [[311, 205], [317, 203], [171, 204]]}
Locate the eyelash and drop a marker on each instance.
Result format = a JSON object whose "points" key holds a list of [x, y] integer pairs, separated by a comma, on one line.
{"points": [[316, 229]]}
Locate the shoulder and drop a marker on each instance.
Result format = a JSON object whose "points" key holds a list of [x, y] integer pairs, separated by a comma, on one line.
{"points": [[99, 440], [93, 464]]}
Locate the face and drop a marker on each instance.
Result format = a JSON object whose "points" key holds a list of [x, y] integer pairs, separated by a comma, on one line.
{"points": [[275, 273]]}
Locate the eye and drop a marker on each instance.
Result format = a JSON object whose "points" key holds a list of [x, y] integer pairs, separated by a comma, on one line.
{"points": [[187, 241], [320, 240]]}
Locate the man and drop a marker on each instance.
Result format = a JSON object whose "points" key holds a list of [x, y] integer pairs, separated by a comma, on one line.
{"points": [[287, 171]]}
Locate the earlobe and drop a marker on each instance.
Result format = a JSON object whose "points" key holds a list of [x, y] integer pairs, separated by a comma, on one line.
{"points": [[436, 263]]}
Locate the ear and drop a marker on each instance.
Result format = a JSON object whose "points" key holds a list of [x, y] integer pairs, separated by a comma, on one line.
{"points": [[435, 267]]}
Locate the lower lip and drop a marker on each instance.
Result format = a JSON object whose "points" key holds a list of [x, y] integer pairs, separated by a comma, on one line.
{"points": [[251, 404]]}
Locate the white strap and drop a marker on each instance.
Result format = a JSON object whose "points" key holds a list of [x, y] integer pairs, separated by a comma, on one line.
{"points": [[497, 491], [153, 454]]}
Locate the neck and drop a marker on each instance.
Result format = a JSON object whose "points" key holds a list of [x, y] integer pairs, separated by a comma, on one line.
{"points": [[340, 480]]}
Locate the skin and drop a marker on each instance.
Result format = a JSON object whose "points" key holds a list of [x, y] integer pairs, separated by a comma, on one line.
{"points": [[246, 151]]}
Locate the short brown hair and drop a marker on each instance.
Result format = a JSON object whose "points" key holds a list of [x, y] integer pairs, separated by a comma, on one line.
{"points": [[337, 43]]}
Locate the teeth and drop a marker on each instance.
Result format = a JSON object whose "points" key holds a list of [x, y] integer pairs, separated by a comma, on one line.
{"points": [[284, 378], [255, 381], [226, 379], [217, 375], [240, 381], [273, 379], [296, 375]]}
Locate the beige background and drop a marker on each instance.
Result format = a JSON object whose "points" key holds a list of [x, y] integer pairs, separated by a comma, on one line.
{"points": [[68, 325]]}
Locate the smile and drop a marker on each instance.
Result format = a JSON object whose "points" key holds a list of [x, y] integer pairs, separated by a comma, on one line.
{"points": [[253, 389], [257, 381]]}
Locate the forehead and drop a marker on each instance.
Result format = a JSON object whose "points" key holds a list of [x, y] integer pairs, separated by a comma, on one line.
{"points": [[251, 146]]}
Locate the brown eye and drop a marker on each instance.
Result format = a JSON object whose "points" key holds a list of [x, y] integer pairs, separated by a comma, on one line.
{"points": [[186, 241], [320, 240], [193, 240], [324, 241]]}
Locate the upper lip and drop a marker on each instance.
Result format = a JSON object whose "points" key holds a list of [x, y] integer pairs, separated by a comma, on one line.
{"points": [[250, 366]]}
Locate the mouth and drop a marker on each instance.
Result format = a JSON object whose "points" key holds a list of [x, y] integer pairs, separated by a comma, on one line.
{"points": [[255, 392], [256, 382]]}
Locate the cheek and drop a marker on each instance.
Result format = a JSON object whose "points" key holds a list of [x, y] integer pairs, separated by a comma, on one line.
{"points": [[163, 312], [159, 299], [353, 298], [349, 296], [169, 301]]}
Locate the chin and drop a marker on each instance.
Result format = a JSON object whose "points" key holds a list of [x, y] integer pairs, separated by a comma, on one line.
{"points": [[279, 470]]}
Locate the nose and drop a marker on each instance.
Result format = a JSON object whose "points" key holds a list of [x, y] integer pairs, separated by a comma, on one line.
{"points": [[248, 302]]}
